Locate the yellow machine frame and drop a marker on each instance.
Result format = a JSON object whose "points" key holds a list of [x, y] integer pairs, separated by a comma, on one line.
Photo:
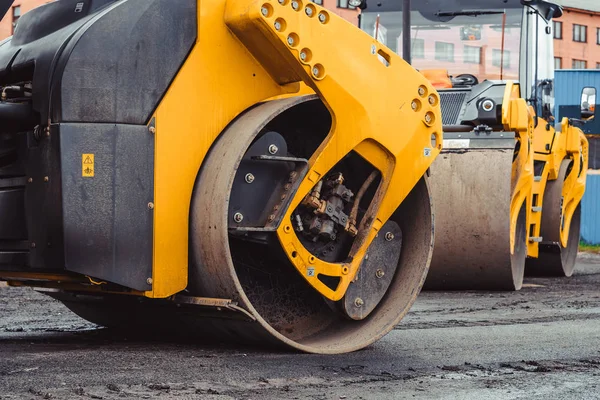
{"points": [[548, 146], [248, 52]]}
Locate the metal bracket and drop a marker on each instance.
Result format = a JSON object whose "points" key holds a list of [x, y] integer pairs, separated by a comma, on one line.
{"points": [[213, 303]]}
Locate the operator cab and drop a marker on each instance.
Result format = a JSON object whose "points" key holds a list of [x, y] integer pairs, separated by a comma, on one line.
{"points": [[468, 49]]}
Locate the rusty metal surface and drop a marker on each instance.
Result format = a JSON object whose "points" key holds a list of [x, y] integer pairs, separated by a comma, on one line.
{"points": [[471, 191], [287, 311], [554, 259]]}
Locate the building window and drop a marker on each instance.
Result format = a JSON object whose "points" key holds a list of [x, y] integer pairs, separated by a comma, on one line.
{"points": [[597, 35], [579, 33], [16, 14], [344, 4], [497, 56], [557, 63], [319, 2], [558, 29], [472, 55], [444, 51], [579, 64], [418, 48], [598, 65]]}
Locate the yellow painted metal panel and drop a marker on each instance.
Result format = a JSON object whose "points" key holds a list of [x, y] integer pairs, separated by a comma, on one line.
{"points": [[391, 129], [219, 80]]}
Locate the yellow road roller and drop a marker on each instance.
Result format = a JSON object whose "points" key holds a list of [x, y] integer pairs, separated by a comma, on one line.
{"points": [[508, 184], [160, 168]]}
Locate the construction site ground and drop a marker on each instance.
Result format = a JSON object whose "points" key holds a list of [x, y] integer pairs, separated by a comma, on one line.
{"points": [[542, 342]]}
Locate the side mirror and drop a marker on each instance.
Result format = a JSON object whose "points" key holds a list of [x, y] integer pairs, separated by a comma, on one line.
{"points": [[547, 10], [588, 103]]}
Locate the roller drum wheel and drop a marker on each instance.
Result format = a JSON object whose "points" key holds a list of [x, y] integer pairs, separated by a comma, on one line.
{"points": [[555, 260], [286, 310], [472, 222]]}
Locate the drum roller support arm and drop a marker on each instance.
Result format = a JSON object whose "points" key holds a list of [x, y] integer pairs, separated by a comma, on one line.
{"points": [[381, 108]]}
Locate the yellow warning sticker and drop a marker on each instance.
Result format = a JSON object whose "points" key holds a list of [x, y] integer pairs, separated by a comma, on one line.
{"points": [[87, 165]]}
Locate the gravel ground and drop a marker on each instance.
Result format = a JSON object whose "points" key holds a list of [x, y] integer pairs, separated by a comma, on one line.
{"points": [[540, 343]]}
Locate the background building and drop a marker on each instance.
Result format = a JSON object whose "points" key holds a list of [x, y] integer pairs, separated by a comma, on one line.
{"points": [[12, 16], [577, 35]]}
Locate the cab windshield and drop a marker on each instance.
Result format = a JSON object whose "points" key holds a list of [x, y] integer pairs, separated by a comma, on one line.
{"points": [[482, 43]]}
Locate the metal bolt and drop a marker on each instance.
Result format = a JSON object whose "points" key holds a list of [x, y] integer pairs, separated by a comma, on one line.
{"points": [[287, 187], [431, 100], [152, 130], [33, 245], [249, 178], [373, 49], [264, 11], [421, 91], [277, 26], [322, 18], [359, 302], [271, 217], [293, 175], [414, 105], [379, 274], [316, 71], [46, 179], [290, 40], [389, 236], [151, 206], [273, 149], [149, 281], [428, 118], [295, 5], [47, 130], [303, 56], [238, 217], [309, 11], [30, 180], [281, 1]]}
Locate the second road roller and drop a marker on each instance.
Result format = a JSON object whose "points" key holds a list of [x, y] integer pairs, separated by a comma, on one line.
{"points": [[160, 168], [508, 185]]}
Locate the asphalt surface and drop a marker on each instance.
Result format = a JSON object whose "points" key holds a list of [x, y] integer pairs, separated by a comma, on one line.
{"points": [[542, 342]]}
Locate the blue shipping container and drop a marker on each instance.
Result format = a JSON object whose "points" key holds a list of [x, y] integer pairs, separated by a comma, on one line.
{"points": [[568, 88], [590, 210]]}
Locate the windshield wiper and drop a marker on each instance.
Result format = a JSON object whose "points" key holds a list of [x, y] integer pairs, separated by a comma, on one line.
{"points": [[467, 13]]}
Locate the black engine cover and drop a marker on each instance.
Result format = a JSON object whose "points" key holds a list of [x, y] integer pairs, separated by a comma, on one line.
{"points": [[99, 60], [98, 70]]}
